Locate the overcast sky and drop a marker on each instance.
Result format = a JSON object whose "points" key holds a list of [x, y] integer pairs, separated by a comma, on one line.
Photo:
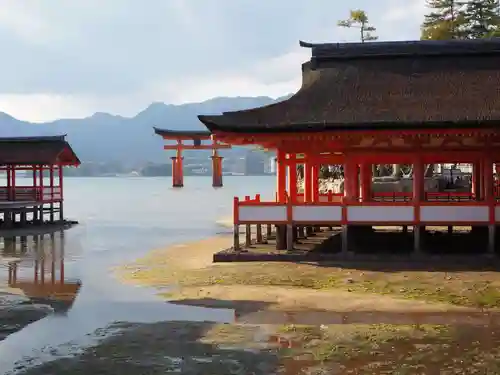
{"points": [[65, 58]]}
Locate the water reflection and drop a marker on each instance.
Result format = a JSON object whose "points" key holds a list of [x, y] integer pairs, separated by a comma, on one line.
{"points": [[38, 272]]}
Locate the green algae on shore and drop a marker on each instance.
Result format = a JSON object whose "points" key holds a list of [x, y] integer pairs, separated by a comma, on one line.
{"points": [[205, 348]]}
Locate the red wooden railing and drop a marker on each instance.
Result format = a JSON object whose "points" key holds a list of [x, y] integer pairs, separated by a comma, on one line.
{"points": [[30, 193]]}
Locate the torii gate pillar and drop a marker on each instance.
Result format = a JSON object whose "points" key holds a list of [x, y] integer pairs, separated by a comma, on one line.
{"points": [[196, 137]]}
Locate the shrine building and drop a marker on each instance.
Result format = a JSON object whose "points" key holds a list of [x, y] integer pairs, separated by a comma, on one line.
{"points": [[32, 191], [416, 102]]}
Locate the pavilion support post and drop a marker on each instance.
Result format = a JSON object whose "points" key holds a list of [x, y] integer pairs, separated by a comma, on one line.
{"points": [[303, 231], [236, 237], [269, 231], [40, 195], [418, 195], [258, 234], [289, 237], [248, 235], [345, 239], [216, 170], [61, 193], [281, 237], [51, 184]]}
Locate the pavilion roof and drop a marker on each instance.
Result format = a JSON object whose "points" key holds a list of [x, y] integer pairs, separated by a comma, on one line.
{"points": [[182, 133], [46, 150], [383, 85]]}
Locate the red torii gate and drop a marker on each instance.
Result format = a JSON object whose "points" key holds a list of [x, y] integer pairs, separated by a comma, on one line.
{"points": [[196, 137]]}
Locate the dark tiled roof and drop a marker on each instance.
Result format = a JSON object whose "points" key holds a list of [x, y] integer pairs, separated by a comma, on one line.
{"points": [[37, 150], [178, 133], [384, 84]]}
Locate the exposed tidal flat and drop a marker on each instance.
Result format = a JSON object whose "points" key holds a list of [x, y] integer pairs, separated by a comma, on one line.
{"points": [[171, 310]]}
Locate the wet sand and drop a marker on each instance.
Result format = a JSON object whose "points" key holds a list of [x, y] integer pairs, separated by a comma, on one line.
{"points": [[286, 286], [252, 345]]}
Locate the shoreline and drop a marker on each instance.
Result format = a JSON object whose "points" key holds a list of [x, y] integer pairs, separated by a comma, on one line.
{"points": [[187, 269]]}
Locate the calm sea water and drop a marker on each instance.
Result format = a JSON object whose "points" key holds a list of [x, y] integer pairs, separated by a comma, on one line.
{"points": [[122, 219]]}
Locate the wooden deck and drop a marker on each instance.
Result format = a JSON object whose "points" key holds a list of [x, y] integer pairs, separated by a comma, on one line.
{"points": [[10, 205]]}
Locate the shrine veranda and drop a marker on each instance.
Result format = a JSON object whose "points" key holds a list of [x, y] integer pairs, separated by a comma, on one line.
{"points": [[417, 103]]}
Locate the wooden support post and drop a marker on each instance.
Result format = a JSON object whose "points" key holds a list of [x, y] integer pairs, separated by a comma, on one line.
{"points": [[236, 237], [281, 238], [269, 231], [248, 235], [345, 238], [289, 237], [259, 234]]}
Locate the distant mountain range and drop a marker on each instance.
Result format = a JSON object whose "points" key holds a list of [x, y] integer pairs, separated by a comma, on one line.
{"points": [[103, 137]]}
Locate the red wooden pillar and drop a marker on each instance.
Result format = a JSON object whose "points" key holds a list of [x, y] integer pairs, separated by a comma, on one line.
{"points": [[488, 178], [292, 181], [315, 183], [418, 181], [60, 169], [40, 179], [216, 170], [281, 177], [307, 182], [13, 183], [9, 182], [475, 181], [366, 181], [51, 181], [51, 184], [350, 180], [61, 192]]}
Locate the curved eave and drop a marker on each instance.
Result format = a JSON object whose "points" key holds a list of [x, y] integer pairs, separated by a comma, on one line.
{"points": [[68, 157], [219, 124], [185, 134]]}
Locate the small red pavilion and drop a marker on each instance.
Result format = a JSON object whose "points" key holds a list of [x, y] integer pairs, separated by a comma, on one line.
{"points": [[417, 102], [42, 161]]}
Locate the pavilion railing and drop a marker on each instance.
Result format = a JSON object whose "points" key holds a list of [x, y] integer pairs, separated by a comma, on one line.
{"points": [[30, 194], [442, 210]]}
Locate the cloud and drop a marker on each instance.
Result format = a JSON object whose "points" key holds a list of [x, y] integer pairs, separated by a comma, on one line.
{"points": [[123, 53]]}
